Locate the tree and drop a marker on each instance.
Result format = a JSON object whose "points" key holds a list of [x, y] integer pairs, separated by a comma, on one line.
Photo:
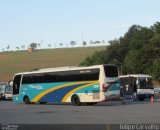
{"points": [[49, 45], [72, 43], [131, 64], [17, 48], [155, 40], [61, 44], [8, 47], [91, 42], [84, 43], [156, 28], [38, 44], [137, 51], [33, 45], [155, 43], [97, 42], [96, 58], [22, 46], [156, 69], [115, 52]]}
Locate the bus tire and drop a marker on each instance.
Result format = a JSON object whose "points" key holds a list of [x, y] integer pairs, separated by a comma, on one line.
{"points": [[75, 100], [26, 100]]}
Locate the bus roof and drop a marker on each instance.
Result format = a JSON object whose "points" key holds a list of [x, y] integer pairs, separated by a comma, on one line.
{"points": [[66, 68], [136, 75]]}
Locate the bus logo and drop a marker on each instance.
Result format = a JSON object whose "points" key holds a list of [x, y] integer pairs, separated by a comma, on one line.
{"points": [[36, 87]]}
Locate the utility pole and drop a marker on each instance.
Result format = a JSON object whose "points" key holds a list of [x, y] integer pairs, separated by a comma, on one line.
{"points": [[82, 37]]}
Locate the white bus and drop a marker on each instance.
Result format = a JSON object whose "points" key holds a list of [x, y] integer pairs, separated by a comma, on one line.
{"points": [[138, 85], [77, 85], [5, 91]]}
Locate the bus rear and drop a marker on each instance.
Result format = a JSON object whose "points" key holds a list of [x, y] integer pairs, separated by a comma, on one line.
{"points": [[110, 87]]}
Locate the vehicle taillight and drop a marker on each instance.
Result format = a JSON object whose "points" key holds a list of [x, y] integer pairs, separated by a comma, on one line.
{"points": [[103, 87]]}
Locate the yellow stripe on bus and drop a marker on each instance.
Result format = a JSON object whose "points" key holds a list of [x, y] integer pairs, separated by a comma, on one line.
{"points": [[74, 90]]}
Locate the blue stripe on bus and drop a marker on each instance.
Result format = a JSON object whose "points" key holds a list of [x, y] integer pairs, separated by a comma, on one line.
{"points": [[57, 95]]}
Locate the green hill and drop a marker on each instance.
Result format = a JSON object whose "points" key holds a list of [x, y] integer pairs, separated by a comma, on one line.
{"points": [[20, 61]]}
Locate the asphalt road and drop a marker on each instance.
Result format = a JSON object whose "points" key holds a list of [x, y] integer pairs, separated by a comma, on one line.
{"points": [[102, 113]]}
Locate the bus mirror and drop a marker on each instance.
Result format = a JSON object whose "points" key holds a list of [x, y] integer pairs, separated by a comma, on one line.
{"points": [[107, 84], [137, 82], [10, 83], [127, 86]]}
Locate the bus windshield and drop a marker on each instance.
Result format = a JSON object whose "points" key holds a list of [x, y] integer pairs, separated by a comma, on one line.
{"points": [[111, 71], [145, 82], [9, 90], [2, 88]]}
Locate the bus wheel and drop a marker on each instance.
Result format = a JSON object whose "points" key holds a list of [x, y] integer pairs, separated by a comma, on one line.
{"points": [[75, 100], [26, 100]]}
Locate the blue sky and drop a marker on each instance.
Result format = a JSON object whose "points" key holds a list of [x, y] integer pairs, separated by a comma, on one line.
{"points": [[56, 21]]}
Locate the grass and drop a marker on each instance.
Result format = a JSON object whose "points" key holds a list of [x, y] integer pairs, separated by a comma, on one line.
{"points": [[20, 61]]}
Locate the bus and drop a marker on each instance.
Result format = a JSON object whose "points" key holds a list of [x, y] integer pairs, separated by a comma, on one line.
{"points": [[78, 85], [139, 86], [5, 90]]}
